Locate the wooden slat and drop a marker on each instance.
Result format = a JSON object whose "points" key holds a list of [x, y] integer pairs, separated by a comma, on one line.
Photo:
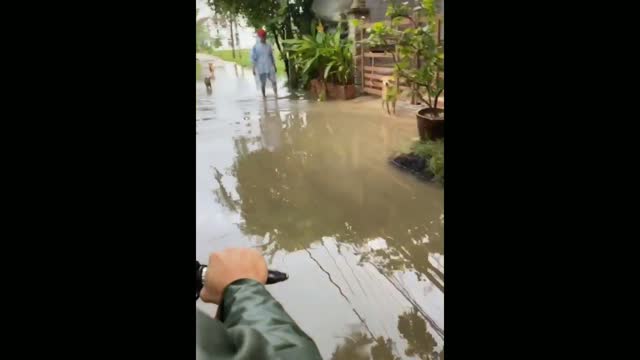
{"points": [[377, 55], [387, 70], [372, 91], [375, 76], [373, 84], [380, 69], [376, 82]]}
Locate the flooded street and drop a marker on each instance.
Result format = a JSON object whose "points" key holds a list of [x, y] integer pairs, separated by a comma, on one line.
{"points": [[309, 184]]}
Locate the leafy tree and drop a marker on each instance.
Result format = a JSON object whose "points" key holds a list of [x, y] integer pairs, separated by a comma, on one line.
{"points": [[217, 42], [283, 19], [202, 33]]}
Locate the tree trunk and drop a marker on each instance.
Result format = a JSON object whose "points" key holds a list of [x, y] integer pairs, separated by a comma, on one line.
{"points": [[288, 34], [233, 48], [284, 56], [237, 43]]}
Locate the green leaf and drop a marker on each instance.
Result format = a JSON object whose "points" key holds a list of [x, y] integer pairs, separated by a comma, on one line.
{"points": [[328, 68], [378, 26], [309, 63], [390, 10], [396, 21], [336, 38]]}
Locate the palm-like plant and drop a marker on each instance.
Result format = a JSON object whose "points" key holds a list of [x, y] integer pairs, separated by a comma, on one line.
{"points": [[340, 65], [323, 56]]}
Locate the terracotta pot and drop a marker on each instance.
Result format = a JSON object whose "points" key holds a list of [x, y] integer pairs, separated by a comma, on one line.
{"points": [[341, 92], [315, 86], [430, 123]]}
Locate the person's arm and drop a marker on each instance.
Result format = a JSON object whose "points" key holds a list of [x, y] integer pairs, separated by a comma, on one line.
{"points": [[260, 325], [255, 325]]}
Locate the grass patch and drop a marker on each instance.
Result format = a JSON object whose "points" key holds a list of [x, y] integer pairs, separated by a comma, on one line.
{"points": [[243, 58], [198, 70], [433, 153]]}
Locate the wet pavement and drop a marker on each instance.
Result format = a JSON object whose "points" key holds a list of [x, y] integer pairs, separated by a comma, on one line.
{"points": [[309, 184]]}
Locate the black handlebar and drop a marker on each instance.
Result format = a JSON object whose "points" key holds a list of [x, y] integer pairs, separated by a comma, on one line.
{"points": [[273, 277]]}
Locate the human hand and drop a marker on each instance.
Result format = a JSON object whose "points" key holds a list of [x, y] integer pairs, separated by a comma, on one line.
{"points": [[228, 266]]}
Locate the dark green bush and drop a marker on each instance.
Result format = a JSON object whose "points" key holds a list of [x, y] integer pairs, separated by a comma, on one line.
{"points": [[433, 153]]}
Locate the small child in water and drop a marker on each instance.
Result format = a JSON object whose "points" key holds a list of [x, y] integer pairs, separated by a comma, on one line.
{"points": [[210, 77]]}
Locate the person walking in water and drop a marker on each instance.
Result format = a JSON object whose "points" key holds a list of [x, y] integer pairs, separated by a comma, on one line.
{"points": [[263, 63]]}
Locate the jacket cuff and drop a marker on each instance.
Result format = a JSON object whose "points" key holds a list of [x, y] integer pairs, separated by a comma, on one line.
{"points": [[229, 293]]}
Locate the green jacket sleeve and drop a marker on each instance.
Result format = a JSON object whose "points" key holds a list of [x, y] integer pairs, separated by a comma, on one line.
{"points": [[259, 328]]}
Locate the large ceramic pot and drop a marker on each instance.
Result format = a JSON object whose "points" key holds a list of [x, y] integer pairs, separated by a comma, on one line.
{"points": [[430, 123]]}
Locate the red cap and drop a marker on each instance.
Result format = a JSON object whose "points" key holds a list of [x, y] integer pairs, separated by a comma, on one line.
{"points": [[262, 33]]}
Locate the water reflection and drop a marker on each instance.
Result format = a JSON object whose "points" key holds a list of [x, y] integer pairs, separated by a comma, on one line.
{"points": [[222, 195], [413, 329], [360, 346], [314, 190], [271, 126], [308, 186]]}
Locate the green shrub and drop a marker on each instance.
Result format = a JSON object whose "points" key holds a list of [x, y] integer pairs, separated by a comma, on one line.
{"points": [[322, 56], [433, 153], [417, 41], [198, 70]]}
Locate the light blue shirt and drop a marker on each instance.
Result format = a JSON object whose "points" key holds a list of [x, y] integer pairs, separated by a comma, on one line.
{"points": [[262, 58]]}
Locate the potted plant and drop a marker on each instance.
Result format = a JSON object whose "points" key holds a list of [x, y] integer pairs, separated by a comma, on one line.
{"points": [[339, 69], [326, 62], [419, 61]]}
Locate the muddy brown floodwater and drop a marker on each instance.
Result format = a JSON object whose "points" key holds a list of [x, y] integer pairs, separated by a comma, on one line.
{"points": [[309, 184]]}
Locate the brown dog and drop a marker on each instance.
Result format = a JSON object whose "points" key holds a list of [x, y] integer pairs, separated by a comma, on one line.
{"points": [[389, 93]]}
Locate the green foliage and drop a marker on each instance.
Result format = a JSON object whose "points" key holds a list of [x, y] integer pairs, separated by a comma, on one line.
{"points": [[257, 12], [198, 70], [217, 42], [433, 152], [283, 19], [413, 328], [323, 56], [420, 59], [202, 35], [394, 10], [307, 53]]}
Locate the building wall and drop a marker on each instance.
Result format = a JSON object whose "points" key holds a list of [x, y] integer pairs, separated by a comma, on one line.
{"points": [[377, 9]]}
